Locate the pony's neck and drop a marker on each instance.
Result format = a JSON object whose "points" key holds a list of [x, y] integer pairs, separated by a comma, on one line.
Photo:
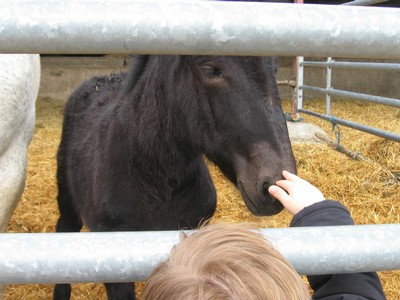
{"points": [[158, 138]]}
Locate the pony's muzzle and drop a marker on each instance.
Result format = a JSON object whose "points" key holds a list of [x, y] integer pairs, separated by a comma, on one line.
{"points": [[270, 205], [260, 202]]}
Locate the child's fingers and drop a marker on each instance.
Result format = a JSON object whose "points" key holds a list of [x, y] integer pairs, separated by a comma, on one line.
{"points": [[285, 199], [286, 185], [293, 177], [279, 194]]}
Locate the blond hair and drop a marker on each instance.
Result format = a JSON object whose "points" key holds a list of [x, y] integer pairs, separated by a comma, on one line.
{"points": [[232, 262]]}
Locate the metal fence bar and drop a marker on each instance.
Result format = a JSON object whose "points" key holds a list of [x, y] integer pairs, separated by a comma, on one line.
{"points": [[368, 129], [198, 27], [364, 2], [328, 87], [131, 256], [375, 66], [299, 82], [360, 96]]}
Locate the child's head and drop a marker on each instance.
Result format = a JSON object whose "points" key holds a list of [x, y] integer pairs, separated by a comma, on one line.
{"points": [[222, 261]]}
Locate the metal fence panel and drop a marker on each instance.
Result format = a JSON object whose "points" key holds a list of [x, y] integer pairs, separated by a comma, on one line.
{"points": [[198, 27], [131, 256]]}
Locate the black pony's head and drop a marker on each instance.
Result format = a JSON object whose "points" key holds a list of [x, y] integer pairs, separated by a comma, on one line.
{"points": [[240, 125], [229, 109]]}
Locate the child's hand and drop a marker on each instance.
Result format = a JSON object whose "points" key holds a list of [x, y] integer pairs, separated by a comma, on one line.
{"points": [[295, 193]]}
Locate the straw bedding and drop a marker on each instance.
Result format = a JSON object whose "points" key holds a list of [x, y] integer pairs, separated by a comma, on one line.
{"points": [[368, 188]]}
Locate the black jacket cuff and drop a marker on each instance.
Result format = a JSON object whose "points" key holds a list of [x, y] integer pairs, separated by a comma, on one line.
{"points": [[324, 213]]}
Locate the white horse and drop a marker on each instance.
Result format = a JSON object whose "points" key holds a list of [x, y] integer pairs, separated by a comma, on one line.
{"points": [[19, 87]]}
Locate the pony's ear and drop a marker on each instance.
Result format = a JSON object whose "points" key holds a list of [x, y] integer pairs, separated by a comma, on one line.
{"points": [[137, 69]]}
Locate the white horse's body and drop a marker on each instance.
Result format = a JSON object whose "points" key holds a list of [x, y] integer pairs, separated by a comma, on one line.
{"points": [[19, 86]]}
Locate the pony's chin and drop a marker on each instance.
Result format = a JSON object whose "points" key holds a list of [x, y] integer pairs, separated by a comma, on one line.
{"points": [[268, 209], [268, 206]]}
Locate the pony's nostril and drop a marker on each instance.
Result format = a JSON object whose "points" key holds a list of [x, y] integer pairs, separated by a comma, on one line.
{"points": [[263, 189]]}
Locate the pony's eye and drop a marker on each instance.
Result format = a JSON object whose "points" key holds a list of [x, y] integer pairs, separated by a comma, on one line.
{"points": [[210, 71]]}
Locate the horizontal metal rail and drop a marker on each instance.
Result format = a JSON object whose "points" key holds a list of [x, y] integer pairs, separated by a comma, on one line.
{"points": [[375, 66], [198, 27], [364, 2], [131, 256], [368, 129], [370, 98]]}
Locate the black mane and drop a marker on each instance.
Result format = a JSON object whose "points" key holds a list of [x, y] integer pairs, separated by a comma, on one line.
{"points": [[137, 69]]}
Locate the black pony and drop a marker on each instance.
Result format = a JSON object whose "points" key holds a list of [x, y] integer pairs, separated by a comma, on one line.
{"points": [[131, 154]]}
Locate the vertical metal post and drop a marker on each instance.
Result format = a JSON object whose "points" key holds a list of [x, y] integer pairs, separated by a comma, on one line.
{"points": [[299, 82], [328, 86], [295, 115]]}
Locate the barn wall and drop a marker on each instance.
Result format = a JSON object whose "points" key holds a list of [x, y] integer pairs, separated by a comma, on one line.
{"points": [[60, 75]]}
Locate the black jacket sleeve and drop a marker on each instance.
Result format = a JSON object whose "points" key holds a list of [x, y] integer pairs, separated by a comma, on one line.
{"points": [[355, 286]]}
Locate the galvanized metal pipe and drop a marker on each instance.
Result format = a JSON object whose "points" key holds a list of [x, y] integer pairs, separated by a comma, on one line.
{"points": [[364, 2], [368, 129], [370, 98], [131, 256], [299, 82], [198, 27], [328, 86], [375, 66]]}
